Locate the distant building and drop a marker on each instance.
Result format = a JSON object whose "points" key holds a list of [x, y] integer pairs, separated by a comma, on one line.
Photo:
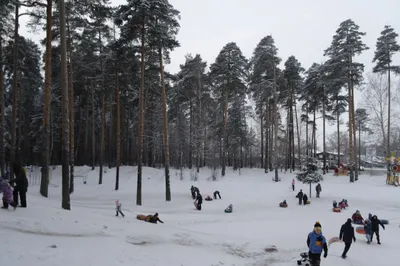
{"points": [[331, 158]]}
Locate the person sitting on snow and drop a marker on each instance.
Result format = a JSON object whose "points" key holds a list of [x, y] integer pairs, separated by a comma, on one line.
{"points": [[153, 218], [343, 204], [305, 199], [7, 191], [229, 209], [357, 218], [216, 193], [208, 198], [334, 204]]}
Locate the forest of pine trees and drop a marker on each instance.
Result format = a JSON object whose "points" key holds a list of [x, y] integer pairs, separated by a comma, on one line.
{"points": [[99, 95]]}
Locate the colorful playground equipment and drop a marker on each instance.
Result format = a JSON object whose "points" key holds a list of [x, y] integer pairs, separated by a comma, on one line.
{"points": [[341, 170], [393, 171]]}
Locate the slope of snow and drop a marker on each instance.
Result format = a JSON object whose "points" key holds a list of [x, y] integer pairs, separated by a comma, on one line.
{"points": [[90, 234]]}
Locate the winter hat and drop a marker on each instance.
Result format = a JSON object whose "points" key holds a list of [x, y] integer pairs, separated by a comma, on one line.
{"points": [[317, 224], [349, 221]]}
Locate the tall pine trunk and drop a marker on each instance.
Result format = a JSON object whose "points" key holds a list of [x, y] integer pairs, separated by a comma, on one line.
{"points": [[338, 132], [118, 128], [298, 137], [45, 179], [262, 138], [224, 134], [165, 120], [141, 118], [351, 158], [102, 113], [388, 153], [65, 111], [93, 129], [275, 127], [14, 91], [324, 130], [267, 146], [2, 120], [72, 111]]}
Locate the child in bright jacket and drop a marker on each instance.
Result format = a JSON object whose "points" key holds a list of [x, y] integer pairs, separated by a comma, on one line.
{"points": [[316, 243], [7, 191], [118, 207]]}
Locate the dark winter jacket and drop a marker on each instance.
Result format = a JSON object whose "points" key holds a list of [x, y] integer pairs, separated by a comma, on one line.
{"points": [[318, 188], [153, 219], [375, 222], [299, 195], [347, 232], [199, 199], [305, 198], [21, 182]]}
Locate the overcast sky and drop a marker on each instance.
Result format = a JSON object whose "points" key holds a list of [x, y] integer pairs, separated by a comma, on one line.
{"points": [[303, 28]]}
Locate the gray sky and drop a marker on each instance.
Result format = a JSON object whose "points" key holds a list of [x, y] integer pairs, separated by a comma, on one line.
{"points": [[303, 28]]}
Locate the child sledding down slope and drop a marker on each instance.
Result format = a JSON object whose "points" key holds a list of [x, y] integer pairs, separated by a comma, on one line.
{"points": [[6, 189]]}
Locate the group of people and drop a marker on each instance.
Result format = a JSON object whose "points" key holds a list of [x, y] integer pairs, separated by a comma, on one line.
{"points": [[303, 198], [342, 204], [199, 198], [14, 189]]}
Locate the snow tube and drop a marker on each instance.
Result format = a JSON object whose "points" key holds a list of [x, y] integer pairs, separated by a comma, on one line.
{"points": [[336, 210], [141, 217], [308, 202], [360, 230], [282, 205], [384, 221], [208, 198], [228, 210]]}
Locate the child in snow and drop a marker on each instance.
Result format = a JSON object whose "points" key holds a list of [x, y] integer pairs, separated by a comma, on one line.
{"points": [[293, 183], [343, 204], [7, 191], [357, 218], [368, 231], [334, 204], [229, 209], [118, 208], [316, 243], [193, 191], [318, 189], [216, 193]]}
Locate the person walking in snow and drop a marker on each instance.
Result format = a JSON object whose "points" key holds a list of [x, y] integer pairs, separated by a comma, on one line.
{"points": [[198, 201], [21, 184], [300, 196], [318, 189], [368, 231], [375, 222], [6, 189], [216, 193], [316, 243], [193, 191], [118, 208], [293, 183], [347, 236]]}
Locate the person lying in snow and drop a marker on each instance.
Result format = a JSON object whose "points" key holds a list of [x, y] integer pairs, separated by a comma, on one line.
{"points": [[357, 218], [153, 219], [7, 191]]}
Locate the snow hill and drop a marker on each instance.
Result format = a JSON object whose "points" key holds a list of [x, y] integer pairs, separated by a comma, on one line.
{"points": [[91, 235]]}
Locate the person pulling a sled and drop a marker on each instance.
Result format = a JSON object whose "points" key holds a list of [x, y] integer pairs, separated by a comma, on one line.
{"points": [[300, 196], [198, 201], [216, 193], [153, 219], [118, 208], [316, 243], [347, 236], [375, 222]]}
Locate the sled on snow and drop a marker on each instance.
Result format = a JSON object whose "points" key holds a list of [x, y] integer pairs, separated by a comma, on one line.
{"points": [[229, 209], [141, 217], [360, 230]]}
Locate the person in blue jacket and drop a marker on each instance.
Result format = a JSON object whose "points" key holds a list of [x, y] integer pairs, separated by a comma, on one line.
{"points": [[316, 243]]}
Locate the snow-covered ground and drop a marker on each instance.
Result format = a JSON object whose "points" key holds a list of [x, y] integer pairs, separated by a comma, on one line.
{"points": [[90, 234]]}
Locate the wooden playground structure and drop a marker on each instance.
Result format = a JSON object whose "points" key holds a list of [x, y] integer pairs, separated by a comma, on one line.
{"points": [[341, 170], [393, 170]]}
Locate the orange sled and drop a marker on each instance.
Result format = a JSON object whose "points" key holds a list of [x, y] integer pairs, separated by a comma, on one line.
{"points": [[141, 217]]}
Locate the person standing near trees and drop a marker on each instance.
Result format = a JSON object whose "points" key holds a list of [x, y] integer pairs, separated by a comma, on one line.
{"points": [[21, 184]]}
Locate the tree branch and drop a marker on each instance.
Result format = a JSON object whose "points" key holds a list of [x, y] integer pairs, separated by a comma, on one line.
{"points": [[33, 4]]}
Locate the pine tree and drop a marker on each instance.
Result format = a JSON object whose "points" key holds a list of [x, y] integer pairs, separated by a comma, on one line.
{"points": [[386, 47], [346, 44], [310, 174]]}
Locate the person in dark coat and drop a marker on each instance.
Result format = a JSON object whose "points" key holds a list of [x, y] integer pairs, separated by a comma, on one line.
{"points": [[193, 191], [375, 222], [199, 201], [305, 199], [216, 193], [318, 189], [300, 196], [347, 236], [153, 219], [21, 184]]}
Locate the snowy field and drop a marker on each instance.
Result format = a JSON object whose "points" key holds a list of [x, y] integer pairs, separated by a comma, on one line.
{"points": [[91, 235]]}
